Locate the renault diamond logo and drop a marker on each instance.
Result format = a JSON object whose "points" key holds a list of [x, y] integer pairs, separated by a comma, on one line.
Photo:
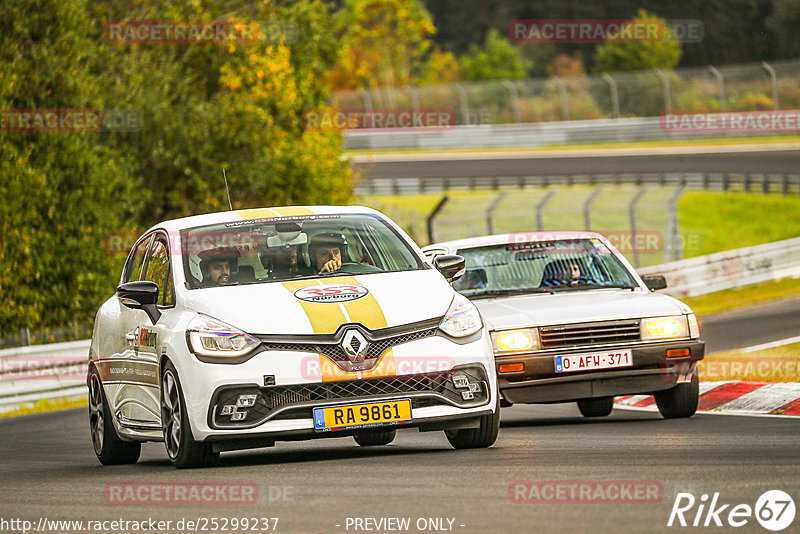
{"points": [[355, 346]]}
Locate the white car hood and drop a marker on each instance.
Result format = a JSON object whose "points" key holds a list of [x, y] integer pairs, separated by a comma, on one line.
{"points": [[271, 308], [575, 307]]}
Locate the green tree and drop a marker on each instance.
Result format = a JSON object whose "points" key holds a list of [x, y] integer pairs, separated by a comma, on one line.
{"points": [[620, 53], [64, 191], [497, 59]]}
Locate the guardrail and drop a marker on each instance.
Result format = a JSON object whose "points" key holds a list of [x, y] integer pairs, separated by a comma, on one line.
{"points": [[715, 181], [522, 135], [58, 370], [39, 372], [729, 269]]}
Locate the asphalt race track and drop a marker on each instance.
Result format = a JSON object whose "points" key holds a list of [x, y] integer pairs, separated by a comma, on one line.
{"points": [[496, 164], [751, 326], [49, 471]]}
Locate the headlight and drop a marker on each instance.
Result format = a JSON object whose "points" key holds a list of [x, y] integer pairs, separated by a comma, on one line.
{"points": [[516, 340], [694, 326], [462, 319], [664, 328], [211, 337]]}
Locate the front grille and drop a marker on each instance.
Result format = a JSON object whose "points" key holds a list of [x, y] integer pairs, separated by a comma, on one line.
{"points": [[276, 401], [599, 333], [335, 352], [330, 345]]}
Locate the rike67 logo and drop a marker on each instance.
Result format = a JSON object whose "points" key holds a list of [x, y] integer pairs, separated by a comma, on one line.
{"points": [[774, 510]]}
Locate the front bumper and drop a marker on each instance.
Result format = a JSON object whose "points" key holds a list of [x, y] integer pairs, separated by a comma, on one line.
{"points": [[283, 408], [651, 371]]}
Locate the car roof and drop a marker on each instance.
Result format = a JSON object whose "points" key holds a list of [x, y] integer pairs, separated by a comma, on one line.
{"points": [[516, 237], [220, 217]]}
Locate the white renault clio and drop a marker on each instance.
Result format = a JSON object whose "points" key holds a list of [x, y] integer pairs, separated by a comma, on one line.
{"points": [[234, 330]]}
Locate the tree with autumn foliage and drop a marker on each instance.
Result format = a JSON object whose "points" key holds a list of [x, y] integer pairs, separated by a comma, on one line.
{"points": [[239, 105], [384, 43]]}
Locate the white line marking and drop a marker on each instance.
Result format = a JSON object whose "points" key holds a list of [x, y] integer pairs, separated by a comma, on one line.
{"points": [[772, 345]]}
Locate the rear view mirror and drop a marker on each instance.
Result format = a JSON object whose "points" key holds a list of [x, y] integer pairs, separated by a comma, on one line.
{"points": [[141, 295], [654, 282], [452, 266]]}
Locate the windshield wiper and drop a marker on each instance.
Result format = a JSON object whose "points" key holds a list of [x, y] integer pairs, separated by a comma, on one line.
{"points": [[508, 292], [596, 286]]}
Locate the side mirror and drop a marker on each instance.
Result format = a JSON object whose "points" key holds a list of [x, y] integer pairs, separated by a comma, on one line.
{"points": [[452, 266], [141, 295], [655, 282]]}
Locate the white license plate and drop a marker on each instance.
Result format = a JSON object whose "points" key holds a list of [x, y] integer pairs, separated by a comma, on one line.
{"points": [[595, 360]]}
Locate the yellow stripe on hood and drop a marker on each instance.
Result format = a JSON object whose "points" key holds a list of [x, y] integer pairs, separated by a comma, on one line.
{"points": [[327, 317]]}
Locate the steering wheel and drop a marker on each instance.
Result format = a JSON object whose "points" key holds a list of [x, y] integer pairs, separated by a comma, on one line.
{"points": [[355, 268]]}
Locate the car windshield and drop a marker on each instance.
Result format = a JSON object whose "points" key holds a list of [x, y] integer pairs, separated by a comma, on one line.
{"points": [[541, 266], [290, 248]]}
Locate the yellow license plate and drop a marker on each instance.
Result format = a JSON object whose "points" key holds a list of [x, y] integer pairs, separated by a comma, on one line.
{"points": [[362, 415]]}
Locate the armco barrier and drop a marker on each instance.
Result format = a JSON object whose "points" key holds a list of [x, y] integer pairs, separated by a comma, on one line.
{"points": [[38, 372], [524, 135], [58, 370], [729, 269]]}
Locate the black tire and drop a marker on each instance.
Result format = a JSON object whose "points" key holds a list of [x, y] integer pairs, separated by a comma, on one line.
{"points": [[596, 407], [680, 401], [474, 438], [182, 449], [373, 439], [108, 446]]}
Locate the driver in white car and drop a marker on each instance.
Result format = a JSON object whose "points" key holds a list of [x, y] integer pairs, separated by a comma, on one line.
{"points": [[217, 264], [326, 252]]}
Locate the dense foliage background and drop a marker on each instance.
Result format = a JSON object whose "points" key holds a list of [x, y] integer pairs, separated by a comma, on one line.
{"points": [[66, 195]]}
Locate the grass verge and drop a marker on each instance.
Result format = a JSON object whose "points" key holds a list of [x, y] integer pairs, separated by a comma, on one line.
{"points": [[717, 141], [47, 406], [731, 299]]}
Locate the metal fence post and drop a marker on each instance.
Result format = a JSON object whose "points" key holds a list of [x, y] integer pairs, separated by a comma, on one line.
{"points": [[612, 85], [414, 98], [632, 216], [367, 101], [514, 100], [723, 106], [464, 102], [667, 94], [587, 207], [774, 79], [564, 97], [540, 210], [490, 211], [433, 215], [26, 335], [674, 248]]}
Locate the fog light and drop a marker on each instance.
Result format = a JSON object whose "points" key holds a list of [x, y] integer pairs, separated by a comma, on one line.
{"points": [[238, 416], [246, 401], [511, 368], [475, 388], [228, 409], [460, 381], [467, 395], [678, 353]]}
